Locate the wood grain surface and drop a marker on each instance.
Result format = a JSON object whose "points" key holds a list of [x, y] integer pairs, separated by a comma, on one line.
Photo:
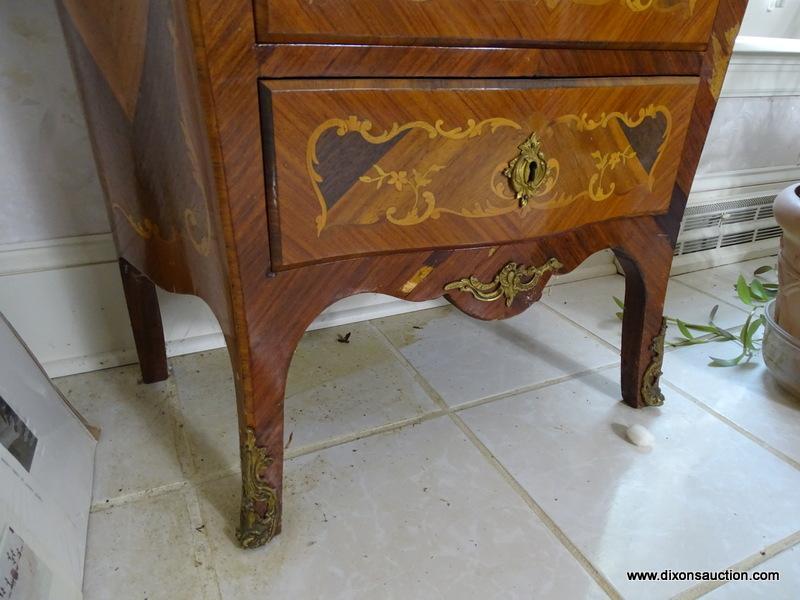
{"points": [[136, 71], [649, 23], [342, 60], [361, 167], [171, 92]]}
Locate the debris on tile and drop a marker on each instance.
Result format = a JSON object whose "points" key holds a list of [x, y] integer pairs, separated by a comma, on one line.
{"points": [[640, 436]]}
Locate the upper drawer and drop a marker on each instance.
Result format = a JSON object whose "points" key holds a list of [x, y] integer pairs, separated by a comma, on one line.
{"points": [[643, 23], [369, 166]]}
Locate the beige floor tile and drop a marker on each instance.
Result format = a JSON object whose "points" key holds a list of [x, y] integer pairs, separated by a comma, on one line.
{"points": [[590, 304], [465, 359], [334, 389], [136, 451], [145, 549], [416, 513], [746, 394], [207, 412], [705, 497]]}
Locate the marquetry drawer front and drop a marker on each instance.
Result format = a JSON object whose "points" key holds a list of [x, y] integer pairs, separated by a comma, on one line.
{"points": [[358, 167], [673, 23]]}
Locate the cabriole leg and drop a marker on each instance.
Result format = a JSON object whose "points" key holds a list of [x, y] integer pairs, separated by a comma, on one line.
{"points": [[643, 328], [260, 387]]}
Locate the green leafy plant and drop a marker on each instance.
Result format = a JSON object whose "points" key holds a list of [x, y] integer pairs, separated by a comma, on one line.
{"points": [[755, 294]]}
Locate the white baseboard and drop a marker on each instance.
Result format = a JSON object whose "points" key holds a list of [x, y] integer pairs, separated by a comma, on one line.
{"points": [[729, 183], [701, 197], [65, 299], [60, 253]]}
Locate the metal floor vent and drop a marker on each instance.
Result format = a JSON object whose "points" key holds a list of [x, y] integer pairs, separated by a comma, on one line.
{"points": [[726, 224]]}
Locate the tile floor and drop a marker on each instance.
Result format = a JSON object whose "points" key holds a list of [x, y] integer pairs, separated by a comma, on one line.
{"points": [[441, 457]]}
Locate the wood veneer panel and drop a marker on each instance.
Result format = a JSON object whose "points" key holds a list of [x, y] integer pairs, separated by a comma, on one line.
{"points": [[667, 23], [177, 135], [329, 60], [135, 66], [361, 167]]}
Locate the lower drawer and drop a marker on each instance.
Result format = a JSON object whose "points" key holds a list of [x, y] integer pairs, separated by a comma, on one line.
{"points": [[359, 167]]}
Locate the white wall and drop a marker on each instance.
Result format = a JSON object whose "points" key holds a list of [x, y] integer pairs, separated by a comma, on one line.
{"points": [[48, 182], [58, 280], [755, 141], [759, 132], [779, 22]]}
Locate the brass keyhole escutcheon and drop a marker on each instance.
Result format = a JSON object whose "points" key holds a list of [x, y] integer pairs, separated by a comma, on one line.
{"points": [[528, 170]]}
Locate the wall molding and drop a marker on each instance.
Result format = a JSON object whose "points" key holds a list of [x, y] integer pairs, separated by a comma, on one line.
{"points": [[731, 181], [763, 66], [59, 253]]}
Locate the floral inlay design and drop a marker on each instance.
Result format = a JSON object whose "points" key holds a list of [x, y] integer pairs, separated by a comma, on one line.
{"points": [[414, 178], [353, 124], [400, 180]]}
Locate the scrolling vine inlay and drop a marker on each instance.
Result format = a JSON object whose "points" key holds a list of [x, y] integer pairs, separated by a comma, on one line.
{"points": [[344, 127], [412, 169]]}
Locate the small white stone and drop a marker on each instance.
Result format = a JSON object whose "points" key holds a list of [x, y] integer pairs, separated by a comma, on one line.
{"points": [[640, 436]]}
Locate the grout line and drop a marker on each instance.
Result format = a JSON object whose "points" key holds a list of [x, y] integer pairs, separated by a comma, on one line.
{"points": [[184, 454], [667, 348], [605, 343], [216, 475], [531, 388], [180, 443], [201, 479], [593, 572], [351, 437], [201, 546], [181, 439], [747, 564], [733, 425], [551, 525], [203, 554], [434, 395], [138, 495]]}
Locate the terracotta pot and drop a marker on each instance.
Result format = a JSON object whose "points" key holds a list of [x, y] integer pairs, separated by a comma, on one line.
{"points": [[787, 304]]}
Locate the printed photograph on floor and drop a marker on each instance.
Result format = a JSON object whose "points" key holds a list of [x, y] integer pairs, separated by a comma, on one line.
{"points": [[16, 437]]}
